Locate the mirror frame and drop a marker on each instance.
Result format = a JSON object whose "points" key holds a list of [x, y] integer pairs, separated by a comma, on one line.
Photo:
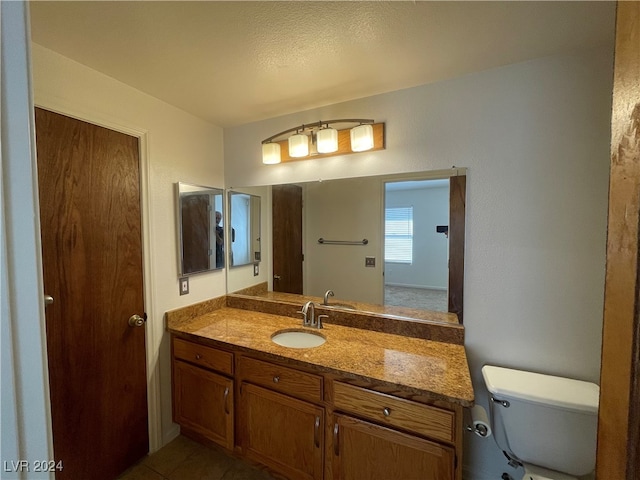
{"points": [[183, 190]]}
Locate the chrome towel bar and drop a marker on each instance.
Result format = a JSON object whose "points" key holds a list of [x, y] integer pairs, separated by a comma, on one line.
{"points": [[322, 241]]}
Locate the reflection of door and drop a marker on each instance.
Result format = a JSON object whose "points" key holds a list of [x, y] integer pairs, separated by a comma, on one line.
{"points": [[196, 229], [287, 238], [89, 187], [457, 206]]}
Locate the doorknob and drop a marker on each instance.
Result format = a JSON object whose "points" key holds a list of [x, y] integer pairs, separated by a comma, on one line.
{"points": [[48, 300], [276, 277], [137, 320]]}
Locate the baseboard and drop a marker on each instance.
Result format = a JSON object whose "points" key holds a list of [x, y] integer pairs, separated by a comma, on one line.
{"points": [[408, 285], [171, 434]]}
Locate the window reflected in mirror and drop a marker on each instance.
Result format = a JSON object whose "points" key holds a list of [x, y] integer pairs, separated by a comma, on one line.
{"points": [[245, 229], [201, 228]]}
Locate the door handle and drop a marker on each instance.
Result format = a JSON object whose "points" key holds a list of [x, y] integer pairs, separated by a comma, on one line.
{"points": [[136, 320], [48, 300], [226, 400], [316, 432], [276, 277]]}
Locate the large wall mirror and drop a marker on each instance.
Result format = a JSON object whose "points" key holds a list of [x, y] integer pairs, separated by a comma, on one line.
{"points": [[200, 213], [245, 245], [383, 240]]}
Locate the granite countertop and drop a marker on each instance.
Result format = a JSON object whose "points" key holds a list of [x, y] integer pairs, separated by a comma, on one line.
{"points": [[437, 370], [396, 311]]}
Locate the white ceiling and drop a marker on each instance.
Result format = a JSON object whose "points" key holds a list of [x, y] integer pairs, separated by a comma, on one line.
{"points": [[232, 63]]}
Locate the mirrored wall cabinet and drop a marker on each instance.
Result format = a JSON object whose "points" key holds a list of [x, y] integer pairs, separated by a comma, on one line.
{"points": [[201, 228], [244, 239]]}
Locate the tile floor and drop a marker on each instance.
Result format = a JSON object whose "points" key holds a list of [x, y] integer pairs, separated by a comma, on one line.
{"points": [[185, 459]]}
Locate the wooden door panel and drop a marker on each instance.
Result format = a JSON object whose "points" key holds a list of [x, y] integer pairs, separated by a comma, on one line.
{"points": [[283, 433], [204, 403], [92, 266], [457, 203], [365, 450], [287, 238]]}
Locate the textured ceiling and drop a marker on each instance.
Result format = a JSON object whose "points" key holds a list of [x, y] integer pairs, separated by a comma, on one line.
{"points": [[237, 62]]}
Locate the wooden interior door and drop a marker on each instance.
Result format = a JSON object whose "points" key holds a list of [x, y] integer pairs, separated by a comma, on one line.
{"points": [[89, 187], [287, 238], [457, 204]]}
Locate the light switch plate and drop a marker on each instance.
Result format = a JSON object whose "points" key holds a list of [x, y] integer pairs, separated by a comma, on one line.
{"points": [[184, 285], [369, 261]]}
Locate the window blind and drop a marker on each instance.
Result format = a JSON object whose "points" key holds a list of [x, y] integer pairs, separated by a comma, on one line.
{"points": [[398, 235]]}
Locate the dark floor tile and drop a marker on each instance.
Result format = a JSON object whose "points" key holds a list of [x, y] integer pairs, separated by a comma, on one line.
{"points": [[171, 456], [206, 464], [140, 472]]}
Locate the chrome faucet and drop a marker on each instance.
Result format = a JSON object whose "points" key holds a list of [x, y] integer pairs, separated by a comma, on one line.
{"points": [[328, 293], [306, 320]]}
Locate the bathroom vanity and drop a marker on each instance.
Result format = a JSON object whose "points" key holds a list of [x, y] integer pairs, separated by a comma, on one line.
{"points": [[364, 404]]}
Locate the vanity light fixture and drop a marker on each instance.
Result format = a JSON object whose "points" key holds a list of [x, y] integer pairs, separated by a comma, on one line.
{"points": [[327, 140], [270, 153], [299, 145], [321, 139]]}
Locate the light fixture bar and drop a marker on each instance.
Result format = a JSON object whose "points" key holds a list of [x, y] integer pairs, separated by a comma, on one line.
{"points": [[344, 145], [309, 126]]}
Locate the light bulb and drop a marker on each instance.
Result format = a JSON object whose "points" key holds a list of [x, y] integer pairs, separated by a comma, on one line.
{"points": [[298, 145], [327, 140], [270, 153], [361, 138]]}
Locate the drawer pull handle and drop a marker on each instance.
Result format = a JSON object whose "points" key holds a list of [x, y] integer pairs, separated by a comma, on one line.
{"points": [[276, 379], [336, 449], [316, 431], [226, 400], [198, 356], [386, 411]]}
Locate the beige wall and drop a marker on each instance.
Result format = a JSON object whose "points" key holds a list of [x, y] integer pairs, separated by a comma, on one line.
{"points": [[343, 210]]}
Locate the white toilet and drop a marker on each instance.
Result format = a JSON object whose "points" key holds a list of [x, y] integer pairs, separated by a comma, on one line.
{"points": [[546, 424]]}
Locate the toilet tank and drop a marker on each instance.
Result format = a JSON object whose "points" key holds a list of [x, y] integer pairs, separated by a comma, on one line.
{"points": [[549, 421]]}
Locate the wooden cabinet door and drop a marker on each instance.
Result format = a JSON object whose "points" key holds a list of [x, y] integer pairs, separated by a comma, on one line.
{"points": [[363, 450], [203, 402], [283, 433]]}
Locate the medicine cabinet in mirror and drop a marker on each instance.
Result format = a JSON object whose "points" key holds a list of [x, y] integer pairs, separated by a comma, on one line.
{"points": [[244, 219], [200, 228]]}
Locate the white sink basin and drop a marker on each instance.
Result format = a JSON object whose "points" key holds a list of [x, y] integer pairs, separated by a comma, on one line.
{"points": [[298, 338]]}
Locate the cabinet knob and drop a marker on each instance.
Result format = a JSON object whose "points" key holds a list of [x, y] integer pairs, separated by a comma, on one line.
{"points": [[386, 411], [198, 356], [276, 379]]}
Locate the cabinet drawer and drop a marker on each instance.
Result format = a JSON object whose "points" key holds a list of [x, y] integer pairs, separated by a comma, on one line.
{"points": [[282, 379], [203, 356], [397, 412]]}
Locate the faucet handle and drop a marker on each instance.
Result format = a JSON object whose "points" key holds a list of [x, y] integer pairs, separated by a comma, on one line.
{"points": [[319, 322]]}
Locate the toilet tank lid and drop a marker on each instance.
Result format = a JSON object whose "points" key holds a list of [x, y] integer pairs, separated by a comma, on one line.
{"points": [[560, 392]]}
